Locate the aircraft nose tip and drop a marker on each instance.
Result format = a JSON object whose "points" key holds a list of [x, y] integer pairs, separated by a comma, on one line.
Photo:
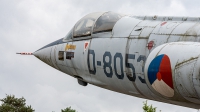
{"points": [[37, 54], [44, 55], [41, 55]]}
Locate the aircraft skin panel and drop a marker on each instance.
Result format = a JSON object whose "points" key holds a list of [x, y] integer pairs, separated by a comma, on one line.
{"points": [[64, 65], [157, 40], [196, 78], [152, 57], [183, 77], [61, 62], [80, 59], [112, 67], [182, 66], [95, 62], [137, 48], [136, 31], [145, 33], [183, 28], [53, 58], [58, 64], [124, 27], [173, 38], [165, 27], [152, 24], [143, 29], [102, 35], [167, 18]]}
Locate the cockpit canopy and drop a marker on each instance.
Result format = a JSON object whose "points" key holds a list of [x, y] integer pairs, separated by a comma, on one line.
{"points": [[106, 22], [94, 23], [84, 26]]}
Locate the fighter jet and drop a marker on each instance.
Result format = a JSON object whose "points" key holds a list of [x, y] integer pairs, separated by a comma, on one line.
{"points": [[151, 57]]}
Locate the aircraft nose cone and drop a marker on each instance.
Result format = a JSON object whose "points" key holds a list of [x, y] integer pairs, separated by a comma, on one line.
{"points": [[44, 55], [36, 54], [39, 54]]}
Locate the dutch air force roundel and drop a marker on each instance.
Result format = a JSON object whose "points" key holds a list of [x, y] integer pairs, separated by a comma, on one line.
{"points": [[160, 75]]}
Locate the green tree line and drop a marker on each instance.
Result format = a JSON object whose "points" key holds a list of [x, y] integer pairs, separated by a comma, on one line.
{"points": [[12, 104]]}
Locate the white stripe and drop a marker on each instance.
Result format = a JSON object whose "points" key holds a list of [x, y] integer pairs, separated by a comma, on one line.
{"points": [[163, 88]]}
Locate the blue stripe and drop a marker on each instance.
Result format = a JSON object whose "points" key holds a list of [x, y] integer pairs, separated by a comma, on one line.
{"points": [[154, 68]]}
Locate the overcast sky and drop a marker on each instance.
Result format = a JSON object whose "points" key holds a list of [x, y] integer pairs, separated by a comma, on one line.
{"points": [[27, 25]]}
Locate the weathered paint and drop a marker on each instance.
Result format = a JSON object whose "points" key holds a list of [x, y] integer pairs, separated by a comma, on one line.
{"points": [[142, 56]]}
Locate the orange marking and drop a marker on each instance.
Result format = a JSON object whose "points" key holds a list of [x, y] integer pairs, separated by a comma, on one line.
{"points": [[159, 76]]}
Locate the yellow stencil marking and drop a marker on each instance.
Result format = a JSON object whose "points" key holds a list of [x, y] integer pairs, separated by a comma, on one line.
{"points": [[72, 47]]}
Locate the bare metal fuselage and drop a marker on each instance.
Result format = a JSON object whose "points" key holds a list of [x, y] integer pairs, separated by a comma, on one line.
{"points": [[154, 58]]}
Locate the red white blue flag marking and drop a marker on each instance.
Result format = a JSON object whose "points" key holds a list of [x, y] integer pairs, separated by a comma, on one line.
{"points": [[160, 75]]}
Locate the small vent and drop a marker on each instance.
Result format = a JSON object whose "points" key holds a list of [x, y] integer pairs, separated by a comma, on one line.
{"points": [[138, 29]]}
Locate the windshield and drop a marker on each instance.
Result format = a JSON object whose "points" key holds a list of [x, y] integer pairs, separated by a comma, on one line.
{"points": [[69, 35], [106, 22], [84, 26]]}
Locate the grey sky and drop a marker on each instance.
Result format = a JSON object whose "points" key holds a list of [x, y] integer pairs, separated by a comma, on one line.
{"points": [[27, 25]]}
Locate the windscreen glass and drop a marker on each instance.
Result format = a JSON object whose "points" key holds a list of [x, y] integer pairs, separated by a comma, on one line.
{"points": [[68, 36], [84, 26], [106, 22]]}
